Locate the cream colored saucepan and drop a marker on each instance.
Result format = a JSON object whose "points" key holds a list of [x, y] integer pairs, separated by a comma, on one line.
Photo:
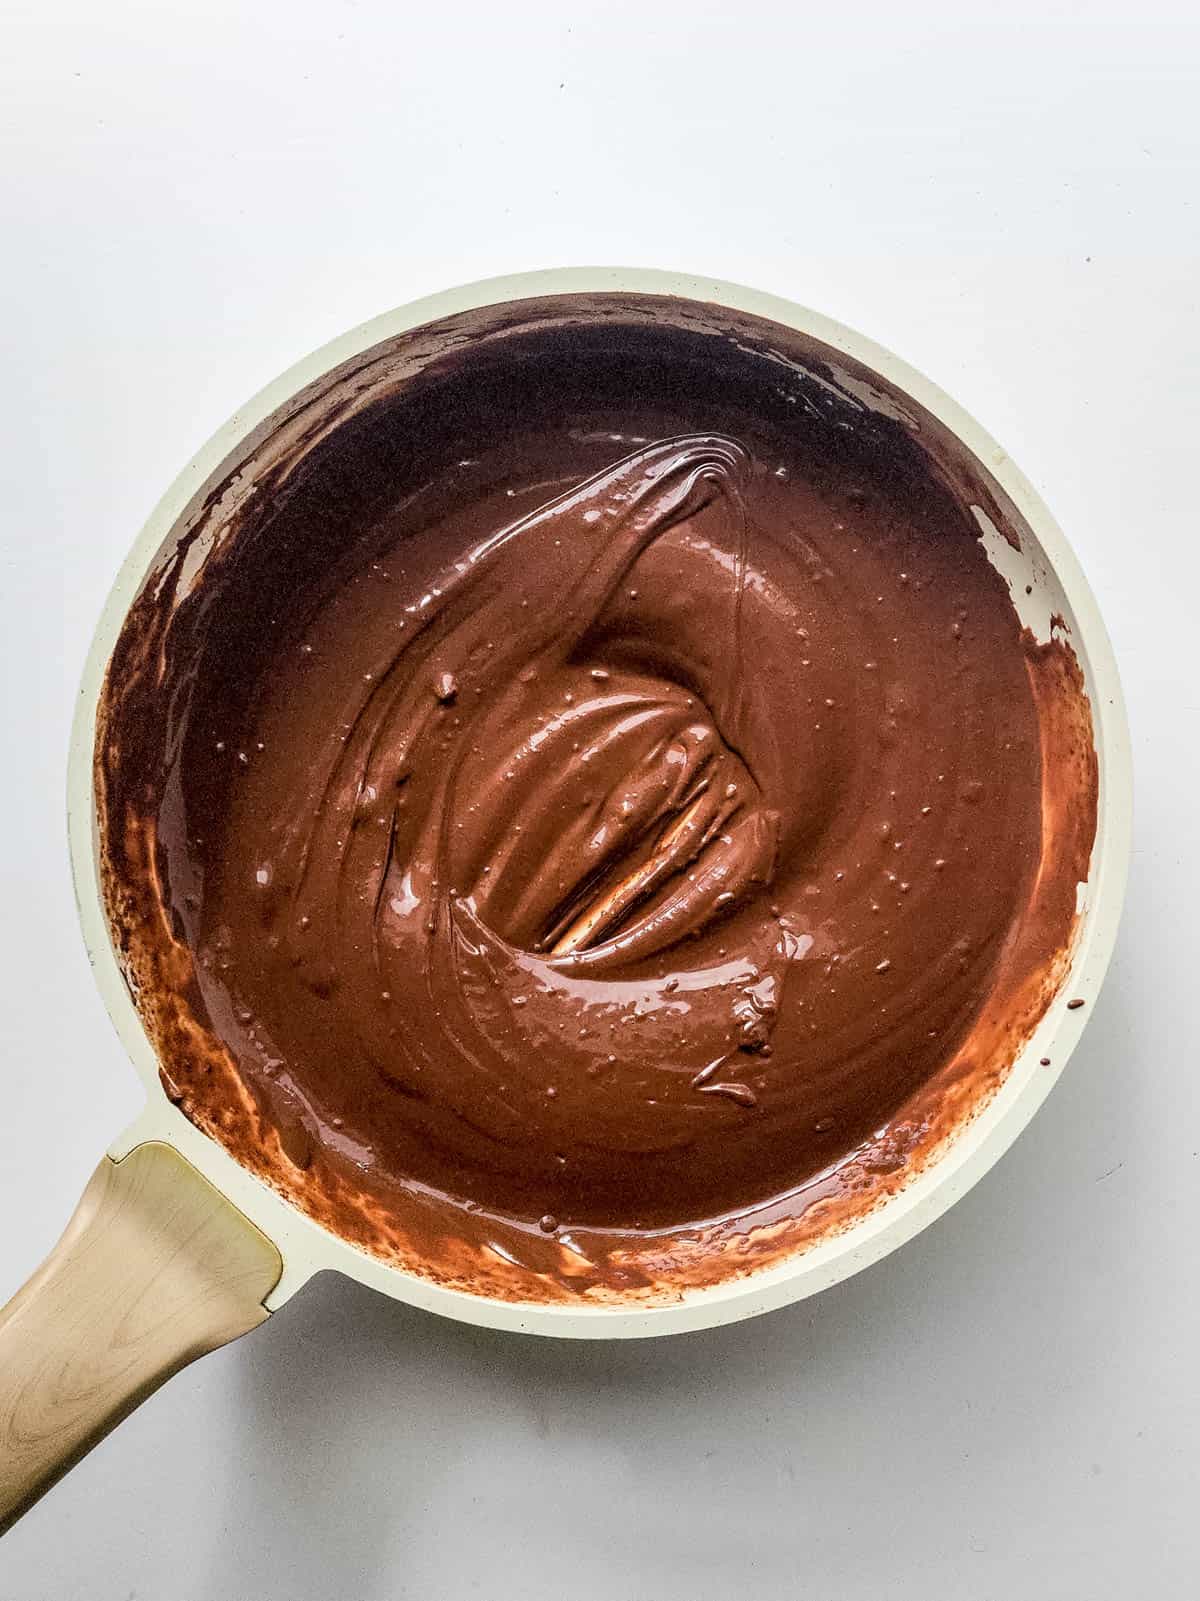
{"points": [[175, 1249]]}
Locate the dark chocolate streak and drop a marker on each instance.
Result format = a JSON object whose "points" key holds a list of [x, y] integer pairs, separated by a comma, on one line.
{"points": [[602, 825]]}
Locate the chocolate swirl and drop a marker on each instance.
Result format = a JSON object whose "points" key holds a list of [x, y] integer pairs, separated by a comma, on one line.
{"points": [[529, 810]]}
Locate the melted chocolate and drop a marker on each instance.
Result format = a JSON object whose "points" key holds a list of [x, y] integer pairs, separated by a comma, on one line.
{"points": [[589, 806]]}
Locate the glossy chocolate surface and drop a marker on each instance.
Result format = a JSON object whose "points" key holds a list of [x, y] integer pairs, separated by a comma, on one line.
{"points": [[590, 803]]}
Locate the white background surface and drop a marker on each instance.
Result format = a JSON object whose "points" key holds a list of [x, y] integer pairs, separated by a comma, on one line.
{"points": [[195, 193]]}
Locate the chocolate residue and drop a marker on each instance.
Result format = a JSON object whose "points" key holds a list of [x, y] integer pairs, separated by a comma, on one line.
{"points": [[580, 813]]}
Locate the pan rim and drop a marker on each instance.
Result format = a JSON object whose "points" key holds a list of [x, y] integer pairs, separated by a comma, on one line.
{"points": [[307, 1247]]}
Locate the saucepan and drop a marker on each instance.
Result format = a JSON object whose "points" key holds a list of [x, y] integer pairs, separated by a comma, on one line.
{"points": [[177, 1247]]}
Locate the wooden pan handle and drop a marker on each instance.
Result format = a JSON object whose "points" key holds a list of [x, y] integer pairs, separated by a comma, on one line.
{"points": [[155, 1268]]}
